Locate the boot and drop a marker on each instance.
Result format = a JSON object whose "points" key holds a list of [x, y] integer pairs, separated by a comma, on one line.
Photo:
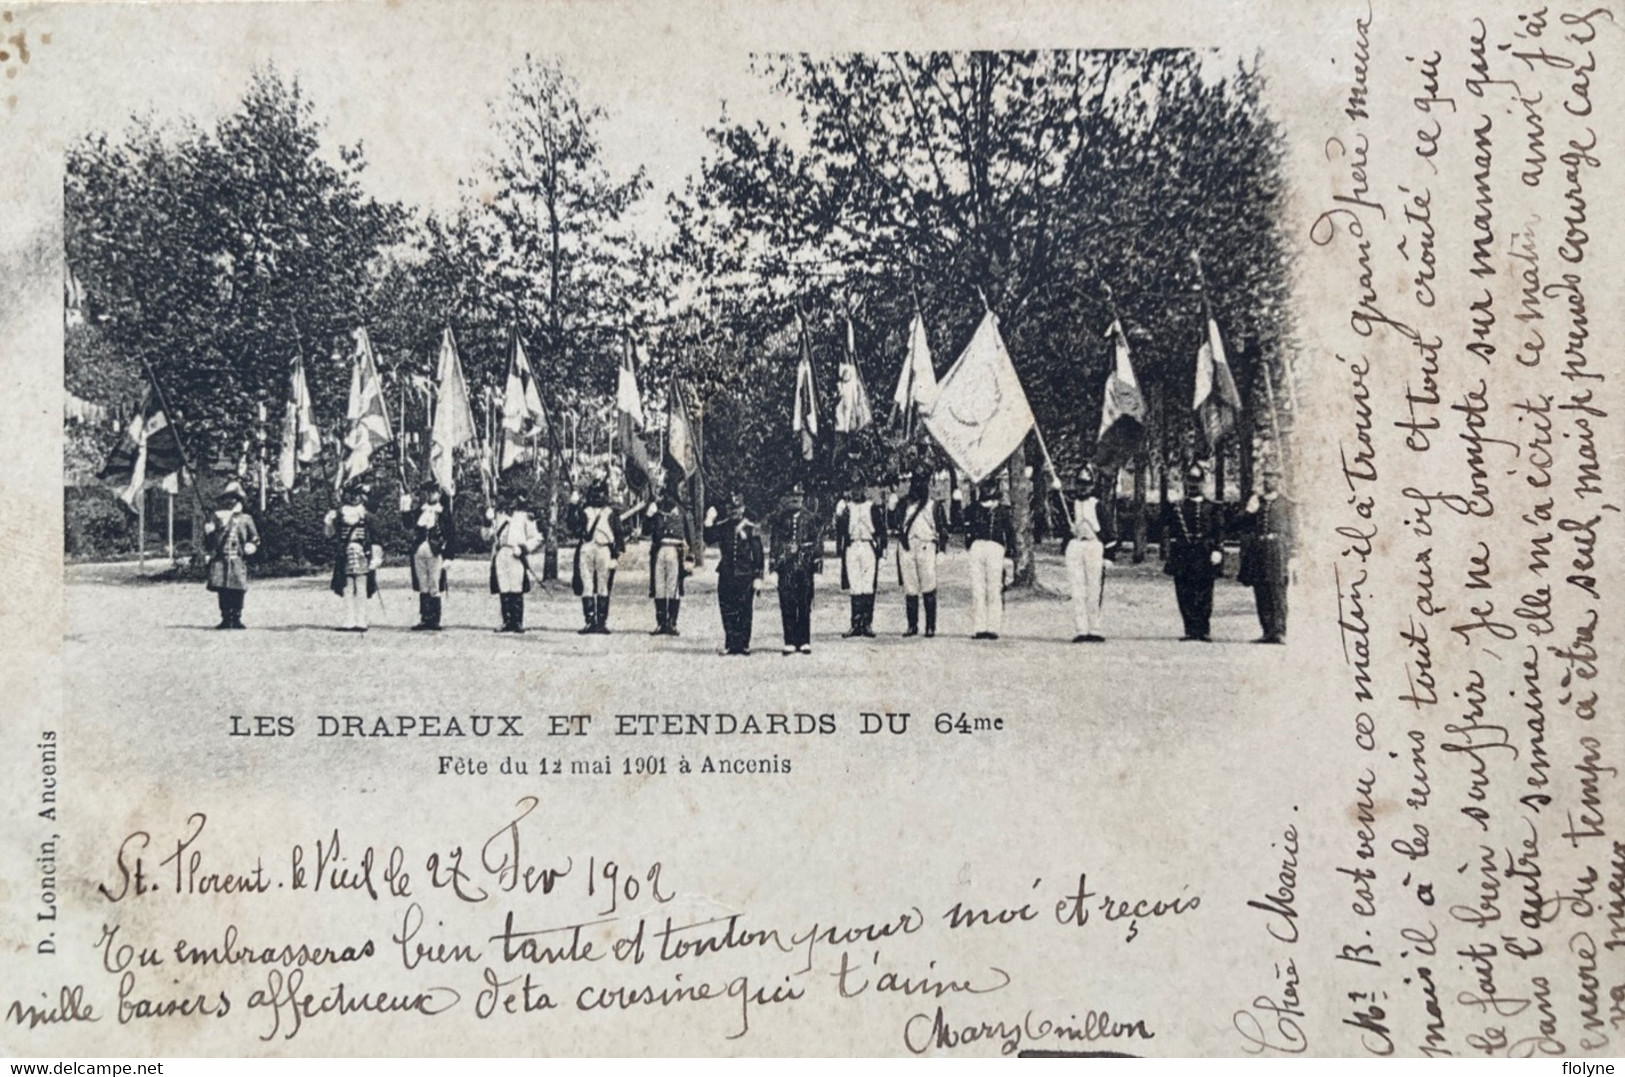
{"points": [[588, 608], [671, 616], [930, 598], [434, 613], [661, 617], [601, 624], [237, 609], [519, 613], [857, 618], [869, 616], [507, 612], [423, 612], [911, 607]]}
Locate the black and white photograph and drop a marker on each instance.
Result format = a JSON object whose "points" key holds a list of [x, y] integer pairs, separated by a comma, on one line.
{"points": [[711, 530]]}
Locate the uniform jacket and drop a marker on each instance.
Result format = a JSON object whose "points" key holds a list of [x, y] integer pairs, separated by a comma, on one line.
{"points": [[580, 522], [346, 527], [228, 570], [739, 546], [1268, 545], [671, 525], [843, 538], [991, 525], [1193, 538], [438, 536], [904, 515], [512, 529], [797, 541]]}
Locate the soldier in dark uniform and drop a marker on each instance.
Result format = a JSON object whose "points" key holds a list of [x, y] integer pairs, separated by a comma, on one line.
{"points": [[1195, 555], [671, 540], [860, 543], [430, 521], [990, 536], [921, 524], [740, 568], [797, 556], [1265, 553]]}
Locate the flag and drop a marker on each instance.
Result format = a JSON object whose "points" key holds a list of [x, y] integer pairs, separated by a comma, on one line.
{"points": [[453, 424], [917, 382], [682, 447], [1122, 408], [804, 414], [301, 441], [980, 414], [523, 417], [852, 411], [148, 450], [367, 418], [1216, 402], [627, 400]]}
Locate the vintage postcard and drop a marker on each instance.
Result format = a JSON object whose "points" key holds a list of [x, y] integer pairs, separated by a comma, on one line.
{"points": [[723, 529]]}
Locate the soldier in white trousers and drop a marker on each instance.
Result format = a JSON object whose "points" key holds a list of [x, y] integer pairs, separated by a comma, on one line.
{"points": [[1086, 557], [921, 524], [860, 542], [990, 535]]}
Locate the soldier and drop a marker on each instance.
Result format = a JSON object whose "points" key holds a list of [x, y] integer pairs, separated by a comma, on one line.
{"points": [[513, 536], [1265, 554], [671, 540], [797, 555], [430, 521], [1086, 556], [232, 538], [356, 555], [600, 539], [1195, 555], [860, 543], [990, 535], [922, 533], [739, 572]]}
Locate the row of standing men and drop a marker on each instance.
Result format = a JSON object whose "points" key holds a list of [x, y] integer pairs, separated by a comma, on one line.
{"points": [[790, 545]]}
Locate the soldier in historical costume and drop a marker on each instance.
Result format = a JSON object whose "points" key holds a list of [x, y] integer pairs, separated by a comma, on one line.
{"points": [[921, 524], [513, 536], [356, 555], [1195, 554], [990, 536], [860, 543], [671, 545], [740, 568], [1086, 555], [430, 521], [232, 538], [600, 540], [1266, 552], [796, 556]]}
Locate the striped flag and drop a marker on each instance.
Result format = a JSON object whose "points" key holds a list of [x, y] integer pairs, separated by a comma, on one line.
{"points": [[524, 420], [629, 420], [852, 410], [804, 413], [682, 447], [453, 424], [301, 441], [149, 450], [1216, 403], [367, 426], [1122, 407]]}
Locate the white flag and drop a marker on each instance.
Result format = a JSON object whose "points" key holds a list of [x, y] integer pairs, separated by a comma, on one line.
{"points": [[453, 423], [366, 417], [917, 383], [523, 417], [980, 414]]}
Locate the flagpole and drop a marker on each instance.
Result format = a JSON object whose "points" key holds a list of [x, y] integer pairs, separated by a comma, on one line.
{"points": [[141, 527], [169, 528], [174, 424], [1207, 319]]}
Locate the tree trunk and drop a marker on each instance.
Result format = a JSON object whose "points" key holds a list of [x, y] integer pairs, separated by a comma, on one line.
{"points": [[1021, 513], [1139, 508]]}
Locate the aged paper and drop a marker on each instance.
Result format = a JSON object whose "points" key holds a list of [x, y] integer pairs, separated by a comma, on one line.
{"points": [[1399, 833]]}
